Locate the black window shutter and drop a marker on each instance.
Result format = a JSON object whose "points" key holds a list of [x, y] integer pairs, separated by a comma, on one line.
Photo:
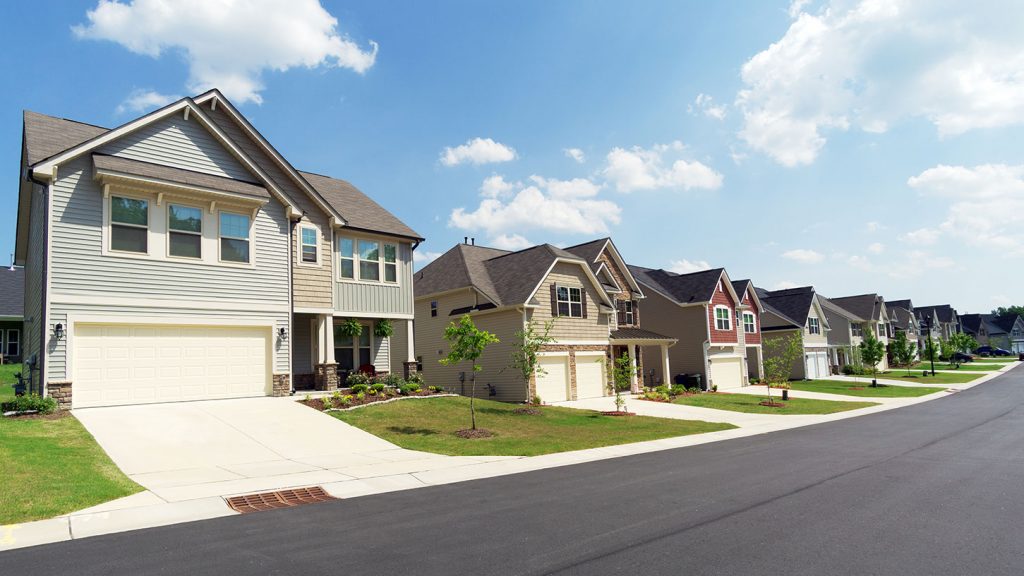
{"points": [[554, 301], [583, 301]]}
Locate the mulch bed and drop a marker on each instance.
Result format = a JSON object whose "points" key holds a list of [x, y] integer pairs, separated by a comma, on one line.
{"points": [[618, 413], [528, 411], [469, 433], [36, 416], [318, 403], [772, 404]]}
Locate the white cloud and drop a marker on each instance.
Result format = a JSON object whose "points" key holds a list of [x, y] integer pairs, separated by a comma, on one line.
{"points": [[576, 154], [421, 258], [228, 44], [686, 266], [921, 237], [803, 256], [796, 7], [876, 248], [549, 205], [986, 204], [143, 100], [868, 64], [511, 242], [644, 169], [859, 262], [496, 187], [786, 285], [477, 151], [706, 106]]}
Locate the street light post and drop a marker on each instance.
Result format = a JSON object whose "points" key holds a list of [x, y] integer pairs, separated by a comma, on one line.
{"points": [[927, 325]]}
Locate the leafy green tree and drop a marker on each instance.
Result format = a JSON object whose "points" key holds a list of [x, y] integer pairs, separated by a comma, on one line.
{"points": [[526, 350], [961, 342], [622, 378], [931, 350], [871, 352], [902, 350], [779, 356], [1004, 311], [467, 345]]}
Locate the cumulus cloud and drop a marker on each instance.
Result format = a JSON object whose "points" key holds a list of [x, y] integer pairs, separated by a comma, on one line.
{"points": [[687, 266], [544, 204], [511, 242], [228, 44], [421, 258], [986, 206], [876, 248], [477, 151], [705, 105], [576, 154], [867, 65], [496, 187], [804, 256], [921, 237], [644, 169], [143, 100]]}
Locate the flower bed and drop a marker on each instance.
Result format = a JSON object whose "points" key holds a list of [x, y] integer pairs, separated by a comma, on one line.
{"points": [[344, 399], [667, 394]]}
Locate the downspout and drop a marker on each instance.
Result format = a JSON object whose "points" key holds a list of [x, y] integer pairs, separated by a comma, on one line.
{"points": [[44, 273], [291, 305]]}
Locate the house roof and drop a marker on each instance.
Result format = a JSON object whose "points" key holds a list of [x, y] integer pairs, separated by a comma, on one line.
{"points": [[971, 323], [505, 278], [832, 310], [1004, 322], [904, 304], [47, 136], [359, 210], [901, 318], [117, 165], [630, 333], [697, 287], [944, 312], [791, 304], [867, 306], [589, 251], [12, 292]]}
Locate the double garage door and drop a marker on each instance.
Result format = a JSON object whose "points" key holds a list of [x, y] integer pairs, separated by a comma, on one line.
{"points": [[816, 365], [554, 384], [726, 372], [117, 364]]}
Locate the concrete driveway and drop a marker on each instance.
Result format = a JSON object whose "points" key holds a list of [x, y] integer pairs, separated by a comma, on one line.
{"points": [[190, 450]]}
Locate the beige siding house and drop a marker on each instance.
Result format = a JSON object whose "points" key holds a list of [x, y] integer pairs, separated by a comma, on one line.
{"points": [[872, 310], [797, 312]]}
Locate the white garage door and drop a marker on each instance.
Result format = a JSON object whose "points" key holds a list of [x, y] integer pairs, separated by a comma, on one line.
{"points": [[553, 384], [138, 364], [726, 372], [817, 365], [590, 379]]}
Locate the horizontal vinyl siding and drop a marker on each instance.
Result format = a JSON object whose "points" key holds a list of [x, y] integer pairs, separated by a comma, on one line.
{"points": [[384, 300], [302, 344], [430, 343], [33, 313], [79, 266], [382, 354], [180, 143], [686, 324], [815, 339], [60, 363], [799, 368], [594, 327]]}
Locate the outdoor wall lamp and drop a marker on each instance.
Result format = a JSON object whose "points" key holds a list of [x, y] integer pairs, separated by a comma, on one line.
{"points": [[282, 333], [58, 332]]}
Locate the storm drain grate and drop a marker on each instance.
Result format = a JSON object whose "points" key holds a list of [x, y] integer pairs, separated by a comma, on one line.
{"points": [[279, 499]]}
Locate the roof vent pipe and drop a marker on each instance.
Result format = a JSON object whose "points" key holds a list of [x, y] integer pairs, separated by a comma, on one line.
{"points": [[465, 239], [472, 241]]}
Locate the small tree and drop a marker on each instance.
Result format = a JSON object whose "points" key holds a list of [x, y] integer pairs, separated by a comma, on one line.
{"points": [[467, 345], [931, 351], [526, 351], [871, 352], [622, 378], [946, 350], [961, 342], [779, 356], [902, 350]]}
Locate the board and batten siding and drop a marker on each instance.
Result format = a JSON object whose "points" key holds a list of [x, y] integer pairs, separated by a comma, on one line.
{"points": [[688, 324], [381, 300], [311, 285], [595, 327], [399, 346]]}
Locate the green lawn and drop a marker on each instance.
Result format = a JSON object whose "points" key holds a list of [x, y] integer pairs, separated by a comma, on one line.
{"points": [[939, 378], [996, 359], [430, 426], [751, 403], [967, 367], [861, 389], [50, 467]]}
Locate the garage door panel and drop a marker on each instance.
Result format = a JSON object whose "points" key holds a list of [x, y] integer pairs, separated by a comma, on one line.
{"points": [[590, 380], [132, 364], [553, 383], [726, 372]]}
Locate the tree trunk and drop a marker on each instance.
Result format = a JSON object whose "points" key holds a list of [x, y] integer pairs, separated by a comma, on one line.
{"points": [[472, 406]]}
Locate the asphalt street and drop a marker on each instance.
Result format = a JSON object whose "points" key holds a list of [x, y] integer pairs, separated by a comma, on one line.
{"points": [[935, 488]]}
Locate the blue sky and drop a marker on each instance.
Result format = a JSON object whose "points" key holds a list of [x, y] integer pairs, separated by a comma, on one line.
{"points": [[852, 146]]}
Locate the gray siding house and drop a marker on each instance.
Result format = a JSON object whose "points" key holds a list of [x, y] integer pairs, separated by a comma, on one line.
{"points": [[12, 313], [162, 258]]}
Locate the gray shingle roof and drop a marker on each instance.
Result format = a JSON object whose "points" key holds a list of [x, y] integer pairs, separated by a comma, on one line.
{"points": [[47, 136], [358, 209], [630, 333], [945, 312], [867, 306], [589, 251], [12, 292], [904, 304], [971, 323], [114, 164], [1004, 322], [832, 309], [791, 304], [682, 288], [899, 317]]}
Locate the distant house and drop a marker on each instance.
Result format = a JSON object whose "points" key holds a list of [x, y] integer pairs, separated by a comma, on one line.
{"points": [[1006, 332], [845, 335], [12, 314], [798, 311], [902, 319], [872, 308], [943, 319]]}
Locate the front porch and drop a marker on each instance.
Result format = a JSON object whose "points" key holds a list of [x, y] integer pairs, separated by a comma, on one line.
{"points": [[629, 342], [326, 348]]}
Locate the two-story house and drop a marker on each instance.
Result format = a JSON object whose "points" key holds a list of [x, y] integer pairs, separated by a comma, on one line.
{"points": [[903, 319], [844, 335], [173, 258], [718, 329], [585, 290], [870, 307], [797, 312], [943, 318], [1006, 332]]}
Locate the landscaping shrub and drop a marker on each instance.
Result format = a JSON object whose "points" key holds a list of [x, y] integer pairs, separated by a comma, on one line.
{"points": [[392, 380], [663, 389], [412, 387], [360, 388], [377, 386], [416, 378], [30, 402], [356, 378], [678, 390]]}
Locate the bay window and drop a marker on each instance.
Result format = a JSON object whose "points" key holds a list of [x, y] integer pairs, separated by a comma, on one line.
{"points": [[366, 260]]}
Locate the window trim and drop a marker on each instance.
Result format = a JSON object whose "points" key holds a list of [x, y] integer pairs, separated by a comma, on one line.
{"points": [[727, 318], [753, 323], [7, 341], [569, 301], [433, 308], [816, 328], [356, 260], [252, 254], [299, 245], [627, 313], [202, 227], [108, 219]]}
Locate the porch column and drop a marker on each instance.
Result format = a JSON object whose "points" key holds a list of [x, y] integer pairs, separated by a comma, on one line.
{"points": [[329, 339], [321, 339], [634, 386], [666, 377], [411, 353]]}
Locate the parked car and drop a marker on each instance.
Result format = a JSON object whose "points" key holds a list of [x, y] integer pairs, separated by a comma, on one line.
{"points": [[1001, 352], [983, 350], [962, 357]]}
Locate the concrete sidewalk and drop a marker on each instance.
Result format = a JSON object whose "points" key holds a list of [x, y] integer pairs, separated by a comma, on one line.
{"points": [[388, 468]]}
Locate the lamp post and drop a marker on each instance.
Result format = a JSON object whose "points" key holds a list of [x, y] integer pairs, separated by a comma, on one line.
{"points": [[927, 325]]}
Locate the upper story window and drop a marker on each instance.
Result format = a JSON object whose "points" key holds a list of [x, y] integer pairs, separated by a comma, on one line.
{"points": [[367, 260], [813, 326], [129, 224], [723, 318], [309, 244], [13, 345], [749, 323], [184, 231], [433, 307], [626, 313], [234, 237], [856, 330], [881, 330], [569, 301]]}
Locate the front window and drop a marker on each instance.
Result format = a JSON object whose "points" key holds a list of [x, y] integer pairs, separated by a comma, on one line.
{"points": [[234, 237], [813, 326], [129, 225], [369, 260], [723, 319], [352, 353], [626, 312], [881, 330], [310, 246], [749, 325], [390, 263], [433, 308], [857, 330], [185, 231], [13, 347], [347, 254], [570, 301]]}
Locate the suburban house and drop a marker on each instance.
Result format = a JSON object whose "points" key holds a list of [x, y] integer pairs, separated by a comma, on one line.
{"points": [[871, 308], [179, 256], [797, 311], [718, 330], [1006, 332], [586, 291], [844, 335], [12, 313], [902, 319], [1014, 326], [942, 318]]}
